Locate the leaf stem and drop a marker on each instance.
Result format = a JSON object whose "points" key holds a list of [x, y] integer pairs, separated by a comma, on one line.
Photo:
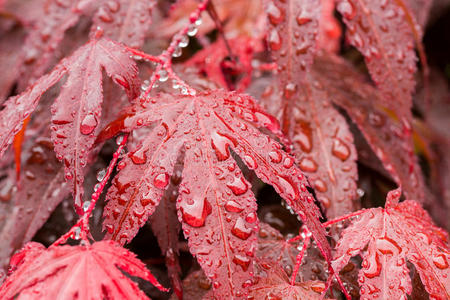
{"points": [[83, 222]]}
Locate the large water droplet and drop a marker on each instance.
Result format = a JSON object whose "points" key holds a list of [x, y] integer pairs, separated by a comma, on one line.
{"points": [[340, 149], [233, 206], [195, 214], [288, 187], [241, 260], [308, 165], [274, 40], [388, 246], [276, 15], [88, 124], [275, 156], [347, 9], [220, 143], [240, 230], [238, 186], [139, 157], [250, 162], [440, 261], [161, 180], [320, 185]]}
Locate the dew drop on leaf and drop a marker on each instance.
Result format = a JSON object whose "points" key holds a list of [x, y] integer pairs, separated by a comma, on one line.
{"points": [[274, 40], [240, 230], [238, 186], [241, 260], [195, 214], [440, 261], [220, 143], [88, 124], [308, 165], [139, 157], [275, 156], [233, 206], [276, 16], [161, 180], [340, 149]]}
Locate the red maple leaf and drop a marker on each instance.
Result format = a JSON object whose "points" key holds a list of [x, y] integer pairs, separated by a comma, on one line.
{"points": [[75, 272], [77, 110], [216, 206], [393, 235]]}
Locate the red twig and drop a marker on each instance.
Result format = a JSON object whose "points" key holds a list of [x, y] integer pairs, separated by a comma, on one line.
{"points": [[164, 60], [82, 225], [299, 257]]}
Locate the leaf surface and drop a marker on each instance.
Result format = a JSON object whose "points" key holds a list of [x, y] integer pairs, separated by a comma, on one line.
{"points": [[77, 110], [378, 29], [124, 21], [216, 206], [275, 285], [399, 233], [384, 133], [70, 272], [323, 144]]}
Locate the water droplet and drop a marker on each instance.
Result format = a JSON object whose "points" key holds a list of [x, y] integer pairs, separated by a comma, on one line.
{"points": [[177, 53], [233, 206], [241, 260], [195, 214], [288, 162], [274, 40], [387, 246], [138, 157], [110, 228], [275, 156], [113, 5], [250, 162], [240, 230], [251, 217], [288, 187], [340, 149], [303, 18], [303, 137], [320, 185], [308, 165], [192, 31], [88, 124], [376, 119], [440, 261], [220, 143], [276, 15], [86, 205], [289, 90], [184, 41], [101, 174], [347, 9], [238, 186], [161, 180], [163, 75], [104, 15]]}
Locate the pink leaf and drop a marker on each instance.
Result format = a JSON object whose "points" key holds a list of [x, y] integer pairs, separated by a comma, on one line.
{"points": [[69, 272], [124, 21], [216, 206], [398, 233]]}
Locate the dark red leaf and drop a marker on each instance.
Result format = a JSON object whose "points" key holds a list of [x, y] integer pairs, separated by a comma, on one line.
{"points": [[378, 29], [382, 131]]}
